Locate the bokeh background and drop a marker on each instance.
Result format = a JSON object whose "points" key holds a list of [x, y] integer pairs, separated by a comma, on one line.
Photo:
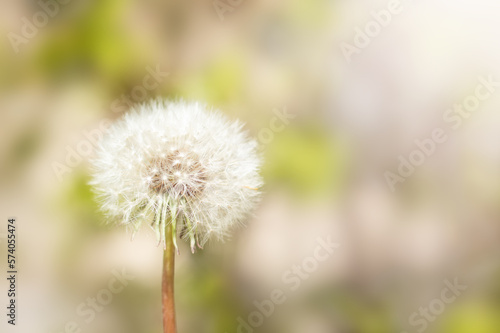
{"points": [[324, 169]]}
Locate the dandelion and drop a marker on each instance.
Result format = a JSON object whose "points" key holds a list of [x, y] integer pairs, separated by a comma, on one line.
{"points": [[182, 169]]}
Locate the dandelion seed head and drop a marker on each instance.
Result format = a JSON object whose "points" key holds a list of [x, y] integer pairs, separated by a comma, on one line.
{"points": [[183, 155]]}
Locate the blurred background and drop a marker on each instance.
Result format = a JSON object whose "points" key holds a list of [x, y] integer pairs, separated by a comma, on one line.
{"points": [[68, 68]]}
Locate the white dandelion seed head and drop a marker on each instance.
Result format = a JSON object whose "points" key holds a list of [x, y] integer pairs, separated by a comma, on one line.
{"points": [[182, 157]]}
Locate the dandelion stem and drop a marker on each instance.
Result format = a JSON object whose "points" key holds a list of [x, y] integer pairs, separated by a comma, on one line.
{"points": [[168, 283]]}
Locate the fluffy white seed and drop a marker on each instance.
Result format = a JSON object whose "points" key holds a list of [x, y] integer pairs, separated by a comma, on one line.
{"points": [[182, 156]]}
